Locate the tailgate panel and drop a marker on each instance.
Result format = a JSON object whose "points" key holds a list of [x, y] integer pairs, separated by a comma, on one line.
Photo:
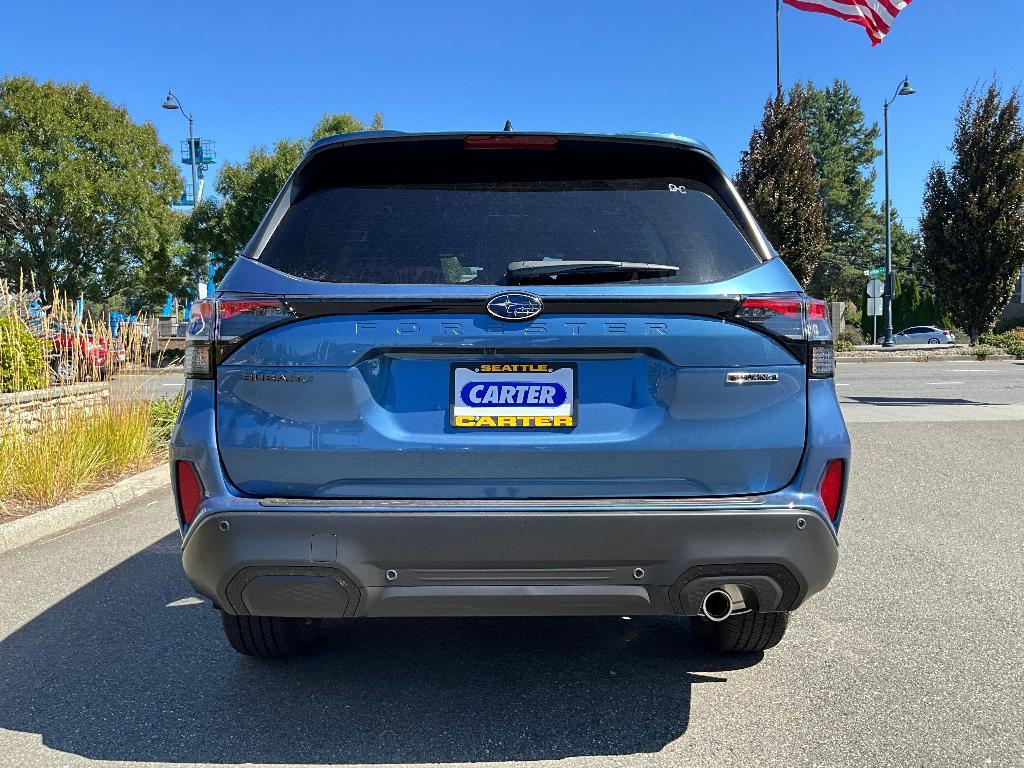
{"points": [[358, 406]]}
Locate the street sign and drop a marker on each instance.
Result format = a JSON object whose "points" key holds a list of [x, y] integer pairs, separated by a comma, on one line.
{"points": [[875, 288], [874, 307], [876, 272]]}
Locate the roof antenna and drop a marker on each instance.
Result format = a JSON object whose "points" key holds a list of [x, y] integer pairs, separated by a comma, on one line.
{"points": [[508, 125]]}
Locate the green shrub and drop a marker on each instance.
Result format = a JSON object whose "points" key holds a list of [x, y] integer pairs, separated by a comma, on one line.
{"points": [[22, 357], [1011, 342], [984, 350], [853, 315], [844, 345], [162, 415], [851, 335]]}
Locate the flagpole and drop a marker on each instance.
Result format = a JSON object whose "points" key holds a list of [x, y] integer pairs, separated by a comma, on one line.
{"points": [[778, 47]]}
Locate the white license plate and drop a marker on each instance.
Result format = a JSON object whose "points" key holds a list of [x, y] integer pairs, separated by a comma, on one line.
{"points": [[513, 395]]}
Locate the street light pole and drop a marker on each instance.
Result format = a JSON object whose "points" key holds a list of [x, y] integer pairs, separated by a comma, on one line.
{"points": [[172, 102], [890, 283], [778, 48]]}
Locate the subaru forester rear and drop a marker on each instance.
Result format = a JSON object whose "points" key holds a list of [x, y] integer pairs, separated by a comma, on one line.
{"points": [[508, 375]]}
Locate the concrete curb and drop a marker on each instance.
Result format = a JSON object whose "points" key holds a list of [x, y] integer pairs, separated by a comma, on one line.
{"points": [[49, 522], [921, 359]]}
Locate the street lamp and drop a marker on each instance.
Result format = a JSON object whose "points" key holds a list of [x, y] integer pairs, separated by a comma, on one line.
{"points": [[904, 89]]}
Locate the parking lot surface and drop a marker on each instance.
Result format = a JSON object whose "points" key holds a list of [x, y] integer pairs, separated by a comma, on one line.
{"points": [[912, 657], [147, 384]]}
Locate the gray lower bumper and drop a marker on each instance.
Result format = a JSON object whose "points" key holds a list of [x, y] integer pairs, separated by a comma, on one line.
{"points": [[316, 562]]}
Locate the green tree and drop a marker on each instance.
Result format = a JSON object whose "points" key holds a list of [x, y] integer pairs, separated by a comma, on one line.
{"points": [[778, 182], [224, 225], [906, 246], [843, 145], [973, 221], [85, 192], [334, 124]]}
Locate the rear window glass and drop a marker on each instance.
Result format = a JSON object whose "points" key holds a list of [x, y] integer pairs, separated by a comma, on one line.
{"points": [[470, 232]]}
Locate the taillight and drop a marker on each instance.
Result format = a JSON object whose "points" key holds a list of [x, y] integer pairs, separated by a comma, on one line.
{"points": [[188, 490], [199, 339], [799, 321], [831, 487], [216, 325], [240, 317]]}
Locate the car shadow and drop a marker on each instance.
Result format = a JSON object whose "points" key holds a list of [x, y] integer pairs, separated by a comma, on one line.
{"points": [[132, 668], [879, 400]]}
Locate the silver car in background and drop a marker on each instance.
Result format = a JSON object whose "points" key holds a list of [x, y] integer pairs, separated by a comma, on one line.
{"points": [[924, 334]]}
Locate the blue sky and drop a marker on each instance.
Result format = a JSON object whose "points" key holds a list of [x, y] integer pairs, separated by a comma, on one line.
{"points": [[257, 71]]}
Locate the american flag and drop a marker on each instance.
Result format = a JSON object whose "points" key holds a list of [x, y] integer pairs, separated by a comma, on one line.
{"points": [[876, 16]]}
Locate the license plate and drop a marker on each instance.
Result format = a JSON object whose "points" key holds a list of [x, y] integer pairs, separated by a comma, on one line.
{"points": [[513, 395]]}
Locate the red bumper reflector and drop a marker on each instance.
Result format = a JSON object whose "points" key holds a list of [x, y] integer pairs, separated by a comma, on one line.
{"points": [[831, 487], [189, 490]]}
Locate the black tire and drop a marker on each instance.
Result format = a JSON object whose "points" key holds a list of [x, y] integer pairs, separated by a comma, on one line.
{"points": [[743, 632], [272, 637], [933, 341]]}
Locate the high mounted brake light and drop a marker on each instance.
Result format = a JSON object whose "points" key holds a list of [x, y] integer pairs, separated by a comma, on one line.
{"points": [[510, 141], [799, 321], [217, 325]]}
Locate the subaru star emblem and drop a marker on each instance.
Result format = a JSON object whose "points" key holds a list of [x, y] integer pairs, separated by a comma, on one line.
{"points": [[515, 306]]}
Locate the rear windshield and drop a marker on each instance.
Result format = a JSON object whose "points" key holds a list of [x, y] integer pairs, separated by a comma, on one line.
{"points": [[470, 232]]}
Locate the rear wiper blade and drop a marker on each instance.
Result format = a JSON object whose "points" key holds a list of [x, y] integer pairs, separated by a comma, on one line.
{"points": [[519, 271]]}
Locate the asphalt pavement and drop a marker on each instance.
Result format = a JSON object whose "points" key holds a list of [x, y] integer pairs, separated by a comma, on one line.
{"points": [[147, 384], [913, 657]]}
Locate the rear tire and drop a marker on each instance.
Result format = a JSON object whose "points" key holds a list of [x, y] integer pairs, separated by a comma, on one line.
{"points": [[743, 632], [272, 637], [933, 341]]}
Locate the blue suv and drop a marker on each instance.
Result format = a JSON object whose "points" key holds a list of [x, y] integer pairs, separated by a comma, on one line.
{"points": [[507, 375]]}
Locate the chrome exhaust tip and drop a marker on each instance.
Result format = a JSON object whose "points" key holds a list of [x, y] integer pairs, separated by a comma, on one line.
{"points": [[717, 605]]}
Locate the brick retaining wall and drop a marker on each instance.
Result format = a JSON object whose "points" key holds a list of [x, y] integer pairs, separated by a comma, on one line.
{"points": [[25, 410]]}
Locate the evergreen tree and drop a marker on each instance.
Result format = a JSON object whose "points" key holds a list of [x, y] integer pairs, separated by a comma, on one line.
{"points": [[778, 182], [844, 149], [973, 221]]}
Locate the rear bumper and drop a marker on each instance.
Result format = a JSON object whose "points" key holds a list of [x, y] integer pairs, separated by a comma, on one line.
{"points": [[617, 558]]}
